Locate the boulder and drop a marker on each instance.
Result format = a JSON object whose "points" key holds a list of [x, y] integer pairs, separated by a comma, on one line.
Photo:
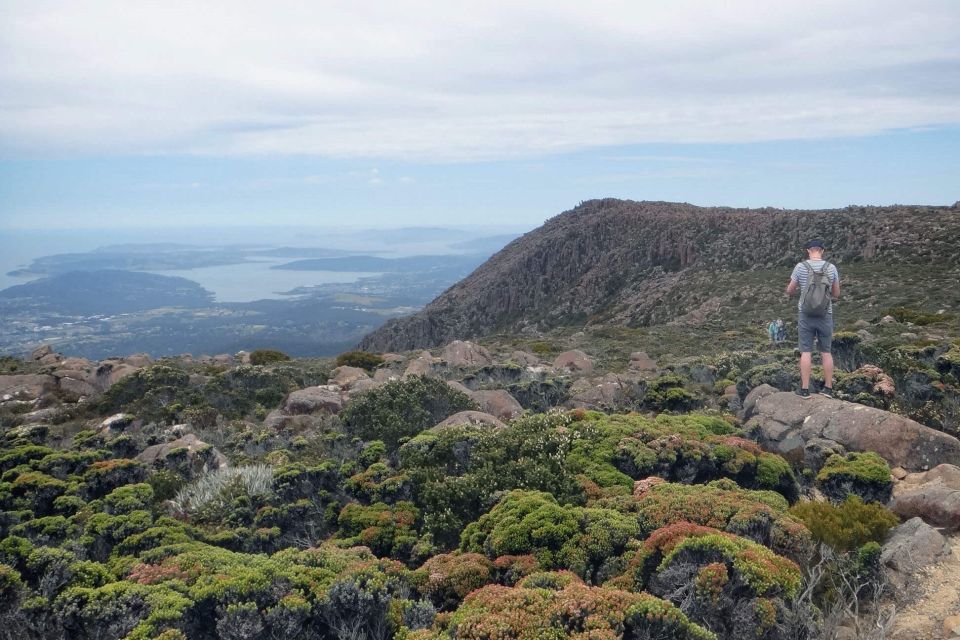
{"points": [[933, 496], [41, 352], [475, 418], [243, 357], [951, 624], [910, 547], [384, 375], [453, 384], [78, 388], [861, 324], [612, 391], [26, 385], [138, 360], [463, 354], [498, 403], [947, 475], [223, 359], [313, 399], [642, 363], [422, 365], [111, 372], [187, 454], [345, 376], [574, 361], [358, 386], [785, 422], [50, 359], [109, 427], [524, 358]]}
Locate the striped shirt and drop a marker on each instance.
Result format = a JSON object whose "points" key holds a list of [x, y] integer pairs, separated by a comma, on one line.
{"points": [[800, 275]]}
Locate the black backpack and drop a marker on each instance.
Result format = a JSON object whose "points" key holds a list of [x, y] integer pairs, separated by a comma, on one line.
{"points": [[815, 298]]}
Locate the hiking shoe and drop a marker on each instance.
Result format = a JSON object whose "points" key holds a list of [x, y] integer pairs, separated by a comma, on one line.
{"points": [[826, 391], [803, 393]]}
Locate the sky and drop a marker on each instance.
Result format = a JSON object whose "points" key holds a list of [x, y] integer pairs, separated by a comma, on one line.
{"points": [[135, 114]]}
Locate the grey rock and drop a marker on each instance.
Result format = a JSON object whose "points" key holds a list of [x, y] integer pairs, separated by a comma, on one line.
{"points": [[463, 354], [609, 392], [524, 358], [784, 423], [26, 385], [575, 361], [935, 503], [114, 424], [423, 365], [313, 399], [384, 375], [200, 457], [458, 386], [78, 388], [346, 376], [41, 351], [910, 547], [498, 403]]}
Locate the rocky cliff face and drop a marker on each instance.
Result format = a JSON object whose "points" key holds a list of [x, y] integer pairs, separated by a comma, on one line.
{"points": [[641, 263]]}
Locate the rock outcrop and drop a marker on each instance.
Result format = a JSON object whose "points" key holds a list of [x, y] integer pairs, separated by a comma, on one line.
{"points": [[785, 423]]}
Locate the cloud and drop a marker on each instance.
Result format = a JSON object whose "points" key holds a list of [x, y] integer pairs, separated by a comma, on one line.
{"points": [[465, 81]]}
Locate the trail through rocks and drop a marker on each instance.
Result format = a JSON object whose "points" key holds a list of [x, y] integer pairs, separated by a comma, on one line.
{"points": [[937, 597]]}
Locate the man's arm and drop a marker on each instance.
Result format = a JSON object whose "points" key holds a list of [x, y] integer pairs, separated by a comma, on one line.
{"points": [[835, 289], [793, 286]]}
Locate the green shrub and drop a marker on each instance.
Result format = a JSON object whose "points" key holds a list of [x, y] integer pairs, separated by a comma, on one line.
{"points": [[388, 530], [159, 382], [262, 357], [576, 611], [402, 408], [560, 537], [848, 525], [361, 359], [760, 516], [447, 578], [865, 475]]}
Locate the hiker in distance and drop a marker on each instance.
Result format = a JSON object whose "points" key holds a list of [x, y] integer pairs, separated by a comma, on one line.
{"points": [[818, 282]]}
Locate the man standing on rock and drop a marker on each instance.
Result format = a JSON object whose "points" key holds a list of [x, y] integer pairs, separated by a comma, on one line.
{"points": [[819, 284]]}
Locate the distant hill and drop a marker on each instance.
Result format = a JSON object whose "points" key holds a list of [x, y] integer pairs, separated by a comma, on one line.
{"points": [[106, 292], [646, 263]]}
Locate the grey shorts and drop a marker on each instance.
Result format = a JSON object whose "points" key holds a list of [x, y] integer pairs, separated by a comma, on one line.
{"points": [[820, 327]]}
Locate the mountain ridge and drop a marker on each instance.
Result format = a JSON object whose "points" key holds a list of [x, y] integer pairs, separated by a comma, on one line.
{"points": [[646, 263]]}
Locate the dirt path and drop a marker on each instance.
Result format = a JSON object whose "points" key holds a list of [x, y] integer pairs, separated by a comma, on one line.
{"points": [[939, 596]]}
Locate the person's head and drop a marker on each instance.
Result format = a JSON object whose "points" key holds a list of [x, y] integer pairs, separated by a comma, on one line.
{"points": [[814, 248]]}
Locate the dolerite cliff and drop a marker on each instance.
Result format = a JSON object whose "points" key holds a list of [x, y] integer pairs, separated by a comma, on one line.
{"points": [[643, 263]]}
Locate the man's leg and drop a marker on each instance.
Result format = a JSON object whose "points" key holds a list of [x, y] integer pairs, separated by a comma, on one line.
{"points": [[805, 367], [827, 369]]}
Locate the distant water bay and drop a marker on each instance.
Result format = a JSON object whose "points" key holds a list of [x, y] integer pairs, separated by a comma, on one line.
{"points": [[255, 280]]}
